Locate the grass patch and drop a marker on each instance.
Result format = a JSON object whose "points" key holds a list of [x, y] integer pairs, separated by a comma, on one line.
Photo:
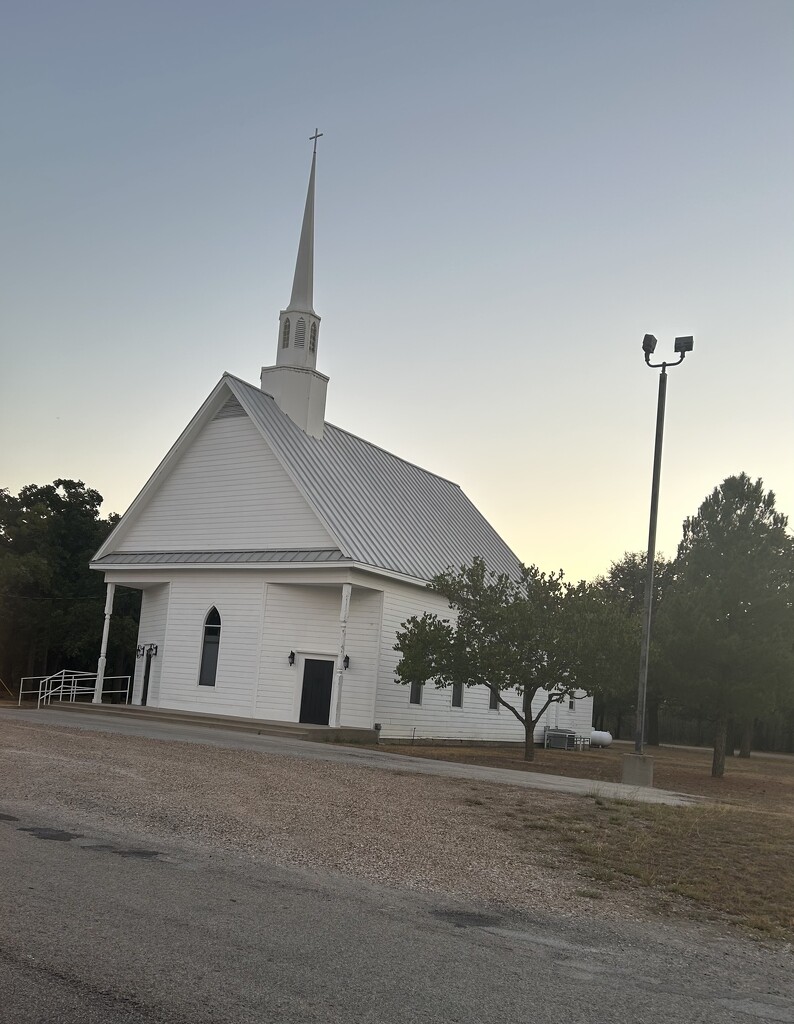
{"points": [[730, 862], [759, 780], [731, 858]]}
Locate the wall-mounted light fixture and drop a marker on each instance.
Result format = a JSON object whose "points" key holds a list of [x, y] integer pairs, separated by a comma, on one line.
{"points": [[291, 657], [346, 661], [143, 649]]}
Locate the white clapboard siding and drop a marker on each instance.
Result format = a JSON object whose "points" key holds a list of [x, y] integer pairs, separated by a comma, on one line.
{"points": [[151, 630], [228, 491], [435, 717], [239, 599], [305, 619]]}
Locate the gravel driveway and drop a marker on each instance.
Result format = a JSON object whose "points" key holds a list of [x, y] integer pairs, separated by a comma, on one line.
{"points": [[424, 833]]}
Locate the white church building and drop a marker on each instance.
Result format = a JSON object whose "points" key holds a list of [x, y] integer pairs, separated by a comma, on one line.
{"points": [[278, 555]]}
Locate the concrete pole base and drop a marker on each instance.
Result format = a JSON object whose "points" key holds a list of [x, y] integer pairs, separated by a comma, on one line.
{"points": [[637, 770]]}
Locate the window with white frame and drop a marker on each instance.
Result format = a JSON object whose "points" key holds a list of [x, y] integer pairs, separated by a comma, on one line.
{"points": [[493, 700], [415, 695], [457, 695]]}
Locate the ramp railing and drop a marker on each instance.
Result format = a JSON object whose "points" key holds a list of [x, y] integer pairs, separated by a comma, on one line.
{"points": [[70, 685]]}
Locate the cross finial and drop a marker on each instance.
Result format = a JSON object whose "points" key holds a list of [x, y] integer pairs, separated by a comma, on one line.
{"points": [[313, 138]]}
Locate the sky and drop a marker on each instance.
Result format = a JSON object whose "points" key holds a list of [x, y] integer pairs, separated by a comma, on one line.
{"points": [[509, 196]]}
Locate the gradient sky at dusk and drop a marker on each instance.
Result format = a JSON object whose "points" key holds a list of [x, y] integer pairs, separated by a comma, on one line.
{"points": [[509, 195]]}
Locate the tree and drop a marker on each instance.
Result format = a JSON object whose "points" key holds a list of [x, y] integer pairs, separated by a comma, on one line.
{"points": [[624, 584], [50, 602], [729, 617], [519, 638]]}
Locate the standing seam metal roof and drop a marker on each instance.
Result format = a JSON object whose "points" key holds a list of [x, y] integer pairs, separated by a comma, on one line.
{"points": [[382, 511]]}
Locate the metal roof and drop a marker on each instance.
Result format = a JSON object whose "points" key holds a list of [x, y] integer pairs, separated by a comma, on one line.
{"points": [[219, 557], [382, 511]]}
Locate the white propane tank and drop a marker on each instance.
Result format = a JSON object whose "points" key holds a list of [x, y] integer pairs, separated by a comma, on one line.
{"points": [[600, 739]]}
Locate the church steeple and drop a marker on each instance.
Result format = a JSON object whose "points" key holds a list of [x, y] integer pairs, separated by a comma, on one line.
{"points": [[303, 281], [299, 390], [299, 325]]}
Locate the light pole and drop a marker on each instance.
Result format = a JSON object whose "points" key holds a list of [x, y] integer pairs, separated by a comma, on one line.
{"points": [[682, 346]]}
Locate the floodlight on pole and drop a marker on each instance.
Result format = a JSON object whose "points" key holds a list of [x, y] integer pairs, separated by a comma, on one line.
{"points": [[682, 346]]}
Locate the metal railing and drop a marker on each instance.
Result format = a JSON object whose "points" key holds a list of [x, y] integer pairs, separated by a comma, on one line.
{"points": [[70, 685]]}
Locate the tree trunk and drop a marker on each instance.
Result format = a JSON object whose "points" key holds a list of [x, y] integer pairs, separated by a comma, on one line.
{"points": [[747, 737], [653, 723], [529, 740], [617, 726], [720, 740]]}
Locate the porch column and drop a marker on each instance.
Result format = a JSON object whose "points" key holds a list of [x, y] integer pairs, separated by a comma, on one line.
{"points": [[100, 669], [344, 612]]}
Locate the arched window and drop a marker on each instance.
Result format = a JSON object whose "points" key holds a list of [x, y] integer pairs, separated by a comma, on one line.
{"points": [[209, 648], [285, 334], [300, 334], [313, 338]]}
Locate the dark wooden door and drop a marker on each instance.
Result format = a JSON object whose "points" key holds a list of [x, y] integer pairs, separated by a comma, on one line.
{"points": [[318, 677]]}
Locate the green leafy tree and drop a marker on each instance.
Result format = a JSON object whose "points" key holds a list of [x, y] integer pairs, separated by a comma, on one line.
{"points": [[729, 617], [624, 585], [51, 604], [522, 639]]}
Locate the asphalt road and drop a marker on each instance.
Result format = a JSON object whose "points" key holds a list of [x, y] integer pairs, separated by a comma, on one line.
{"points": [[99, 928]]}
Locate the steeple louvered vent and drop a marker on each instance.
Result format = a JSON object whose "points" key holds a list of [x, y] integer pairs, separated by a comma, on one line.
{"points": [[300, 333]]}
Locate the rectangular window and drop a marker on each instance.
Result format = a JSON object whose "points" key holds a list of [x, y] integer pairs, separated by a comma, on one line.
{"points": [[572, 704], [493, 702], [416, 694], [457, 695]]}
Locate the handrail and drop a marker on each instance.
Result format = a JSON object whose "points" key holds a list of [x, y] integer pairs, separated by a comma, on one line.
{"points": [[68, 684]]}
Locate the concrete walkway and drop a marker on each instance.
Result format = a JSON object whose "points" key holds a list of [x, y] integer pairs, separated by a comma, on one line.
{"points": [[288, 747]]}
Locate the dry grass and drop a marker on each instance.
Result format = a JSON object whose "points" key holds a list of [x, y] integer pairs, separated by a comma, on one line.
{"points": [[728, 862], [730, 858], [766, 781]]}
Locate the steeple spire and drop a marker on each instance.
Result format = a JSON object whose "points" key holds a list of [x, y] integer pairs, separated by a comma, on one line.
{"points": [[299, 390], [303, 282], [299, 325]]}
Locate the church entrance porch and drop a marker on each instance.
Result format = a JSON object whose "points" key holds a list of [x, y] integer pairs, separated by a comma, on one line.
{"points": [[318, 678]]}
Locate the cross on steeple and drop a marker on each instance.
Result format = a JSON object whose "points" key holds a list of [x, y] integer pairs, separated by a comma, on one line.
{"points": [[313, 138]]}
